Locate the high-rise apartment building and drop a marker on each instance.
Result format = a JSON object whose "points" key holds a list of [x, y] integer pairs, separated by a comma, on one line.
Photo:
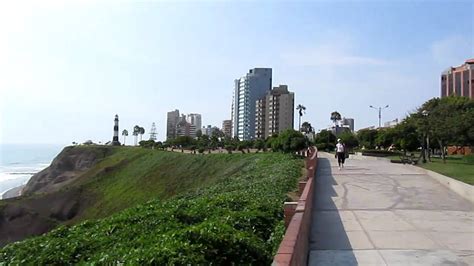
{"points": [[194, 119], [459, 80], [227, 127], [274, 112], [209, 130], [195, 123], [260, 118], [247, 90], [183, 128], [171, 123], [348, 122]]}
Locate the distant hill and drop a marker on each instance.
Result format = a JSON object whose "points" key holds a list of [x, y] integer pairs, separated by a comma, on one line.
{"points": [[187, 192]]}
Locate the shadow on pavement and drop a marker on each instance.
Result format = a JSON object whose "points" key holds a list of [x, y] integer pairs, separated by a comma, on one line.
{"points": [[329, 242]]}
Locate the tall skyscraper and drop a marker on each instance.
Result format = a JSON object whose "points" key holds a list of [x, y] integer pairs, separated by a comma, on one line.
{"points": [[194, 119], [247, 90], [348, 122], [171, 123], [459, 80], [274, 112], [227, 127]]}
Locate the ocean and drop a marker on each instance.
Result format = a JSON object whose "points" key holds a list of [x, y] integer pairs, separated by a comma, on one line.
{"points": [[19, 162]]}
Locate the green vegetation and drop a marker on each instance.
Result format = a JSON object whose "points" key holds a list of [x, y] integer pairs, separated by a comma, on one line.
{"points": [[217, 208], [288, 141], [131, 175], [428, 131], [325, 141], [455, 167]]}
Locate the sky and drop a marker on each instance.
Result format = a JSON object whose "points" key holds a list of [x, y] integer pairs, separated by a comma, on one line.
{"points": [[66, 69]]}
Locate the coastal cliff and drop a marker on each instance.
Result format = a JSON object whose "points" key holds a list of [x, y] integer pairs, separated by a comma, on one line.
{"points": [[65, 168], [93, 182], [49, 197]]}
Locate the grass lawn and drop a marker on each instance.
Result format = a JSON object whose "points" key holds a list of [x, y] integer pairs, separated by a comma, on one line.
{"points": [[454, 167]]}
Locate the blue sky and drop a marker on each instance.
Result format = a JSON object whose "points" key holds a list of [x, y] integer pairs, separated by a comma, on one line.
{"points": [[67, 69]]}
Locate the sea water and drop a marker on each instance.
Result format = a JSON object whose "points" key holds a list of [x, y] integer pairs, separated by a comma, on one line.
{"points": [[19, 162]]}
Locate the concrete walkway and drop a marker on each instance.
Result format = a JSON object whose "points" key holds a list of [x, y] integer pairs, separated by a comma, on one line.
{"points": [[378, 213]]}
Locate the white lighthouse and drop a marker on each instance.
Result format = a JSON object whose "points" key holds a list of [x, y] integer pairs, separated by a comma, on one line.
{"points": [[115, 140]]}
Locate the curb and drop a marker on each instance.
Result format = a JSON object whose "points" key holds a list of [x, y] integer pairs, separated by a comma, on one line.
{"points": [[462, 189]]}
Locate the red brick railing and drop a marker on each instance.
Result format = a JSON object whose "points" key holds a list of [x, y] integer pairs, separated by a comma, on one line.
{"points": [[293, 249]]}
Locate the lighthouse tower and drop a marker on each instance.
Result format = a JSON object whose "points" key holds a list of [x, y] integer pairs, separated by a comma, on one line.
{"points": [[115, 140]]}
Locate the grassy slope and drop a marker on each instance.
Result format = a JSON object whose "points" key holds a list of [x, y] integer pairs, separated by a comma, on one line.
{"points": [[230, 214], [136, 175]]}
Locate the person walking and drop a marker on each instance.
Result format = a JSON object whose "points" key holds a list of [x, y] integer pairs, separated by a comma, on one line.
{"points": [[340, 153]]}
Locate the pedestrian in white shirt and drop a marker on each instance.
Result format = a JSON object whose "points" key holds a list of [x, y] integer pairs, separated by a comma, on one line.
{"points": [[340, 153]]}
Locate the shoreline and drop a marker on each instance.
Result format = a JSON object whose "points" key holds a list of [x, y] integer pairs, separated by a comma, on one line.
{"points": [[12, 193]]}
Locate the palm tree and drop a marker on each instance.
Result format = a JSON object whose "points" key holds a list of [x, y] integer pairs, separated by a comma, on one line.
{"points": [[141, 132], [301, 109], [136, 131], [124, 134], [335, 116]]}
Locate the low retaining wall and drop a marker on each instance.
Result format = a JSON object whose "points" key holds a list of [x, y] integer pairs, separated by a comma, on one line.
{"points": [[462, 189], [293, 249], [359, 156]]}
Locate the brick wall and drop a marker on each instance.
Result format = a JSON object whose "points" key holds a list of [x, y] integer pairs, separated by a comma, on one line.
{"points": [[293, 249]]}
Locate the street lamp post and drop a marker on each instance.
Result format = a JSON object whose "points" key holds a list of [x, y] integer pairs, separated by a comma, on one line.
{"points": [[380, 113]]}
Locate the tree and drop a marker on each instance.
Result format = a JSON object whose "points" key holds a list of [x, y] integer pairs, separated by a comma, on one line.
{"points": [[136, 131], [203, 141], [184, 141], [259, 144], [335, 116], [306, 127], [448, 121], [349, 139], [199, 133], [301, 110], [386, 137], [229, 148], [289, 141], [325, 140], [367, 138], [147, 143], [241, 147], [124, 134], [217, 132]]}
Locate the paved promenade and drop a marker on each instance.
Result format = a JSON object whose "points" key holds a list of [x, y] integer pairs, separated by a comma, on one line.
{"points": [[379, 213]]}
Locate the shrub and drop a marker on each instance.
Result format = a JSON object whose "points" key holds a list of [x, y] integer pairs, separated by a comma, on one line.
{"points": [[147, 143]]}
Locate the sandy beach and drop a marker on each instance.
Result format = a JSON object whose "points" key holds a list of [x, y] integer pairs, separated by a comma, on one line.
{"points": [[12, 193]]}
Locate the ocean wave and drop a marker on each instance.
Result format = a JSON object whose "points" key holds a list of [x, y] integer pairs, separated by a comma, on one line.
{"points": [[21, 173]]}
